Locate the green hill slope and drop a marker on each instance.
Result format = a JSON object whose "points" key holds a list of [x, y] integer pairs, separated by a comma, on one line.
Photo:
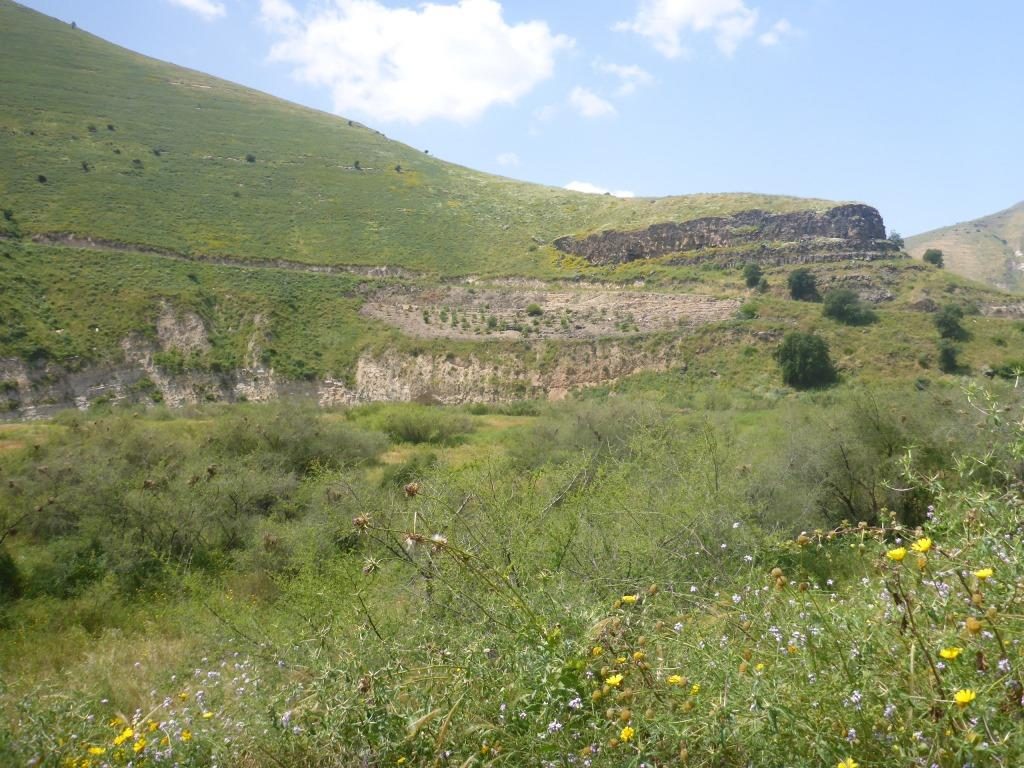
{"points": [[989, 249], [138, 151]]}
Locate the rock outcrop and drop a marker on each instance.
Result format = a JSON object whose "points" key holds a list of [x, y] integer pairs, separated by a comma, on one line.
{"points": [[850, 231]]}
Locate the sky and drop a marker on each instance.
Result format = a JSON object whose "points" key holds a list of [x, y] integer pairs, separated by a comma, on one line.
{"points": [[914, 107]]}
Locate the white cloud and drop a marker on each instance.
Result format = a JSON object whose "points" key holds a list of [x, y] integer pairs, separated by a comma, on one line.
{"points": [[277, 12], [664, 21], [593, 189], [508, 159], [589, 104], [208, 9], [780, 29], [630, 76], [403, 64]]}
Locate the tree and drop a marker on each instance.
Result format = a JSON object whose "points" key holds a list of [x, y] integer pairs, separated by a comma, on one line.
{"points": [[948, 362], [896, 239], [802, 285], [947, 321], [752, 274], [934, 256], [845, 306], [805, 361]]}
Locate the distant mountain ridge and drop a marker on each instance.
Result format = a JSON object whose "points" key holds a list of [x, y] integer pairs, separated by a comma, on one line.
{"points": [[989, 249]]}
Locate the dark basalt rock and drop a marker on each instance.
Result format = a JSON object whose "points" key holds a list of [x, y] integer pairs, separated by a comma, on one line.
{"points": [[850, 229]]}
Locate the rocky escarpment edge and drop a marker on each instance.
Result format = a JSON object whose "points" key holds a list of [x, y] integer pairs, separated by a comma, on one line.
{"points": [[849, 229]]}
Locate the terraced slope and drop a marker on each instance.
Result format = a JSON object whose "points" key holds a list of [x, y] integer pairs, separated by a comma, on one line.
{"points": [[989, 249], [101, 142]]}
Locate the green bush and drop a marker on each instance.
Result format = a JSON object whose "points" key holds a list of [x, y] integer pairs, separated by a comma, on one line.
{"points": [[845, 306], [752, 274], [934, 257], [948, 356], [948, 322], [804, 360], [423, 424], [802, 285], [534, 310]]}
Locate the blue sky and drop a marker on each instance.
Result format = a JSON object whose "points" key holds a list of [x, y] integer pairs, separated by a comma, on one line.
{"points": [[914, 107]]}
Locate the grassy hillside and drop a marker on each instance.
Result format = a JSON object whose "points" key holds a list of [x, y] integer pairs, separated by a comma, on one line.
{"points": [[143, 152], [989, 249]]}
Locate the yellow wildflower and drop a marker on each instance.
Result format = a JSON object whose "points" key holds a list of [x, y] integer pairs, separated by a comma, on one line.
{"points": [[675, 680], [950, 653], [614, 681], [964, 696], [627, 734], [138, 746], [922, 545], [186, 735], [153, 726], [984, 573], [97, 751], [400, 761], [759, 667], [596, 651], [639, 656], [848, 763], [126, 734], [896, 554], [620, 659], [207, 715], [695, 689], [628, 599]]}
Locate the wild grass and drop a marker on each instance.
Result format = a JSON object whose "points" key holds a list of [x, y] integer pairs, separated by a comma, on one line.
{"points": [[157, 138], [672, 592]]}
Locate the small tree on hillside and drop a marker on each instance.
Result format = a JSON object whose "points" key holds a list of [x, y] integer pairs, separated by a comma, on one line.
{"points": [[948, 360], [947, 321], [802, 285], [933, 256], [896, 239], [845, 306], [752, 274], [805, 361]]}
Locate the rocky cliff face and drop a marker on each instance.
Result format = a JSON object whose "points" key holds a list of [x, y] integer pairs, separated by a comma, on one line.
{"points": [[854, 230], [39, 389]]}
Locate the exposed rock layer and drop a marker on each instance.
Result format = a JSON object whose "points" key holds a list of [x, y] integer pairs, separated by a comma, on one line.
{"points": [[849, 229]]}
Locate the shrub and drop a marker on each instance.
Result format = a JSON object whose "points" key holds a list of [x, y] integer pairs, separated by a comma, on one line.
{"points": [[948, 361], [896, 239], [933, 256], [748, 310], [805, 361], [802, 285], [845, 306], [41, 178], [752, 274], [947, 321], [534, 310], [421, 424], [250, 158]]}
